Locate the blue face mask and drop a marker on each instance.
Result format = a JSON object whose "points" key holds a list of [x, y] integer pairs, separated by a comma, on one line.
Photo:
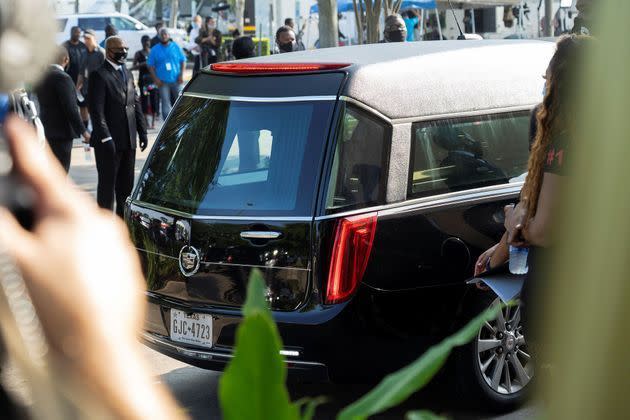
{"points": [[544, 90]]}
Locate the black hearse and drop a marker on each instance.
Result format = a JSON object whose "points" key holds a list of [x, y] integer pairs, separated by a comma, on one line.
{"points": [[363, 181]]}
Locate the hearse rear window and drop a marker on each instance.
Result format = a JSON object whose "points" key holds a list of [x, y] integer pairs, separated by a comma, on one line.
{"points": [[216, 157], [459, 154]]}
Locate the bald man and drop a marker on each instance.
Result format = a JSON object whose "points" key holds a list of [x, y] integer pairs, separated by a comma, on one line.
{"points": [[117, 120]]}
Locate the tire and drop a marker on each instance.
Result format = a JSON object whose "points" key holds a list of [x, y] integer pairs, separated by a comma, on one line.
{"points": [[499, 376]]}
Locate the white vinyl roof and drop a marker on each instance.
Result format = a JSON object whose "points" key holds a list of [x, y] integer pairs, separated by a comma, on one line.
{"points": [[426, 78]]}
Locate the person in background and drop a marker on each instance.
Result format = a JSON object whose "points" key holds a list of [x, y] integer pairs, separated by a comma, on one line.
{"points": [[243, 47], [148, 90], [110, 30], [58, 110], [167, 63], [411, 18], [285, 40], [395, 29], [432, 32], [94, 59], [582, 23], [77, 51], [117, 119], [342, 37], [298, 34], [156, 39], [95, 289], [193, 47], [209, 41]]}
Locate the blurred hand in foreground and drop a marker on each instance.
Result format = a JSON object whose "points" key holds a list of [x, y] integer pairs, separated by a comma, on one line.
{"points": [[85, 281]]}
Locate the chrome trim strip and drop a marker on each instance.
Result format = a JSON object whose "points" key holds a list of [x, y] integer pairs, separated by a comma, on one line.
{"points": [[448, 199], [261, 99], [473, 195], [210, 355], [260, 234], [172, 212], [366, 108], [262, 267], [157, 253], [462, 114]]}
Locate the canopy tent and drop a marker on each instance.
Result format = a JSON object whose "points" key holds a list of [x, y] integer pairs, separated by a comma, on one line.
{"points": [[429, 5], [467, 4], [348, 6]]}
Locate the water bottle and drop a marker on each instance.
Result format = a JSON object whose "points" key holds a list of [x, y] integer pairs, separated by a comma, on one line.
{"points": [[518, 260], [88, 152]]}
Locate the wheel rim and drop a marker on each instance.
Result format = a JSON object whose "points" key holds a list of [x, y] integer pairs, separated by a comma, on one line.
{"points": [[502, 354]]}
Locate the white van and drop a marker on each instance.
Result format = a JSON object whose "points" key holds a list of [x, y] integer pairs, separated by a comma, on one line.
{"points": [[130, 29]]}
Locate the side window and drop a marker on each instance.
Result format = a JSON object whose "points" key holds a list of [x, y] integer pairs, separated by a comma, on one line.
{"points": [[96, 23], [123, 24], [359, 168], [248, 158], [458, 154], [61, 24]]}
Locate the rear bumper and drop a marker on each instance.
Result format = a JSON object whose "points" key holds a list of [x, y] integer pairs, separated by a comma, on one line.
{"points": [[217, 360], [346, 341], [306, 337]]}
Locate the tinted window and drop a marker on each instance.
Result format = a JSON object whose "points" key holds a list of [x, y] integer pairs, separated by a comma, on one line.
{"points": [[123, 24], [238, 158], [360, 161], [457, 154], [96, 23]]}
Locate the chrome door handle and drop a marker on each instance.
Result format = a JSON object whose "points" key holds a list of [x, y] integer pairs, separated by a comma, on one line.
{"points": [[260, 234]]}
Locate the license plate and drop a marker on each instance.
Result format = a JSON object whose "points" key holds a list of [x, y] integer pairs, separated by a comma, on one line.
{"points": [[192, 328]]}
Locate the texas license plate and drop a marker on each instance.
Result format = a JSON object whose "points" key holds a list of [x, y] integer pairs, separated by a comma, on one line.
{"points": [[191, 328]]}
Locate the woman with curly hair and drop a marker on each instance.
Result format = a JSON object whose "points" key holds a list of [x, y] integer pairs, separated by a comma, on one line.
{"points": [[530, 223]]}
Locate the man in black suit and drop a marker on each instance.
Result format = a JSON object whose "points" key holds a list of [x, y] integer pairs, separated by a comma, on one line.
{"points": [[116, 118], [58, 108]]}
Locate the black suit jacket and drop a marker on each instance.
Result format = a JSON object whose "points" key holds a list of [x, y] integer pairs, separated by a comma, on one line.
{"points": [[115, 108], [58, 108]]}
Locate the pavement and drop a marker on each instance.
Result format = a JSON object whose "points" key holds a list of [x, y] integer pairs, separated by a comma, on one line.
{"points": [[83, 166], [196, 389]]}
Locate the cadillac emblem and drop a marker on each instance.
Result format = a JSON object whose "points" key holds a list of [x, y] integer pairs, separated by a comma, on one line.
{"points": [[189, 260]]}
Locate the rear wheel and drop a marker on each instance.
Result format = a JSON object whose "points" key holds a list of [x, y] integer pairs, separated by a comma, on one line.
{"points": [[496, 368]]}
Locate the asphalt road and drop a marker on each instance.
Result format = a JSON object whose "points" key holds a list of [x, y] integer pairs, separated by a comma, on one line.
{"points": [[196, 389]]}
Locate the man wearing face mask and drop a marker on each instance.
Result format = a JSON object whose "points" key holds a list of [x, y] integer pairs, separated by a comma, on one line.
{"points": [[58, 109], [117, 118], [395, 29], [285, 40]]}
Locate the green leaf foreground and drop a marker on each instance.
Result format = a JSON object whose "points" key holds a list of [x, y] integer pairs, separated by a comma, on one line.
{"points": [[398, 386], [422, 415], [253, 385]]}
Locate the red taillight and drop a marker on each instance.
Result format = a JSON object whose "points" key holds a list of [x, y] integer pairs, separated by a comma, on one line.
{"points": [[256, 68], [353, 243]]}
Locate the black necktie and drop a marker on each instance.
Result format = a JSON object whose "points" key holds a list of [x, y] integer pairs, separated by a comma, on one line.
{"points": [[123, 74]]}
